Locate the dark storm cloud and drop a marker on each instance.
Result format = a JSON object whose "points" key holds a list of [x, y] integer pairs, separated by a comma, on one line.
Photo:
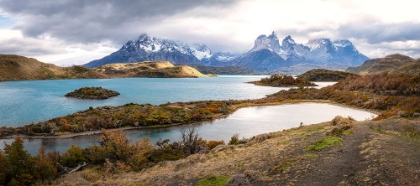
{"points": [[93, 21], [381, 32]]}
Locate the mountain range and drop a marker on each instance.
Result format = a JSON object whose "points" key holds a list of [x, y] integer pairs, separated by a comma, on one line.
{"points": [[267, 55]]}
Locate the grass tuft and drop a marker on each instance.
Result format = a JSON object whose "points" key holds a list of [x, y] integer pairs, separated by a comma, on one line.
{"points": [[324, 143], [214, 181]]}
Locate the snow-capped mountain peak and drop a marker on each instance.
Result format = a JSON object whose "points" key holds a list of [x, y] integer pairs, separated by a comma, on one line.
{"points": [[342, 43], [288, 43], [201, 51], [263, 42], [314, 44]]}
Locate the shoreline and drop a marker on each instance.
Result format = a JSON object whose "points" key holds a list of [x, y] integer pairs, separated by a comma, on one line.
{"points": [[245, 105]]}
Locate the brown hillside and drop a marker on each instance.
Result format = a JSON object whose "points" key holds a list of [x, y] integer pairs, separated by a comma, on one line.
{"points": [[412, 68], [325, 75], [161, 69], [393, 64], [14, 67]]}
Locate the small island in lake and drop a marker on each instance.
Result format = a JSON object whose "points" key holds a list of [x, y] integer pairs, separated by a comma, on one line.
{"points": [[280, 80], [92, 93]]}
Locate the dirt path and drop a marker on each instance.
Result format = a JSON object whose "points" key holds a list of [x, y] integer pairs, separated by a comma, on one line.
{"points": [[339, 163]]}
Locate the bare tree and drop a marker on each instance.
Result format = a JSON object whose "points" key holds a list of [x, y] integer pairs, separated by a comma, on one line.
{"points": [[191, 141]]}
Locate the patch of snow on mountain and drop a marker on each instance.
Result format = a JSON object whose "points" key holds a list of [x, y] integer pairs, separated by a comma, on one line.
{"points": [[201, 54], [225, 58], [147, 48]]}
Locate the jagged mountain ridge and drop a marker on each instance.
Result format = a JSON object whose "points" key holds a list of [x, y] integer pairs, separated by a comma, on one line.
{"points": [[147, 48], [319, 52], [266, 55]]}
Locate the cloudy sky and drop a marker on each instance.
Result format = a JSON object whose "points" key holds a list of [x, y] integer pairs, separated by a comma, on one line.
{"points": [[68, 32]]}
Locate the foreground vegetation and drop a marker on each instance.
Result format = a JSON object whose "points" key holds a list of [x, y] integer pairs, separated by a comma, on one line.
{"points": [[92, 93], [340, 152]]}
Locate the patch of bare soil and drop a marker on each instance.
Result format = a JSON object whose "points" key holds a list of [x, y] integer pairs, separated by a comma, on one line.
{"points": [[389, 155]]}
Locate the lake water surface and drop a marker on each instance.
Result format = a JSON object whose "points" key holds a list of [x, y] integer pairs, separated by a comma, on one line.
{"points": [[23, 102]]}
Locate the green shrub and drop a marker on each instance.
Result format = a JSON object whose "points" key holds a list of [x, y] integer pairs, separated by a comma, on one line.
{"points": [[234, 140]]}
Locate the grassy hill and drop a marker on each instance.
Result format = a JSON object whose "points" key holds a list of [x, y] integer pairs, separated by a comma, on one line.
{"points": [[393, 64], [325, 75], [14, 67], [159, 69]]}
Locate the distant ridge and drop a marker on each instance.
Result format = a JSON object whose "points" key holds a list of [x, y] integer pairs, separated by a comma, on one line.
{"points": [[392, 64], [325, 75], [15, 67]]}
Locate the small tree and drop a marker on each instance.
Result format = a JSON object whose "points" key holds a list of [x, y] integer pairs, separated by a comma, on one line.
{"points": [[73, 156], [116, 144], [5, 169], [45, 165], [20, 161], [191, 141]]}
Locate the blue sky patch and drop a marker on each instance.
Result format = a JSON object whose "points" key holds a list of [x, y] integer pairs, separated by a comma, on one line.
{"points": [[6, 22]]}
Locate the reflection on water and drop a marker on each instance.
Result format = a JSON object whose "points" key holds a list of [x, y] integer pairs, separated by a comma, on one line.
{"points": [[246, 122]]}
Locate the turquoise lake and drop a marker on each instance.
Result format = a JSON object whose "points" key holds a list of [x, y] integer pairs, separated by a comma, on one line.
{"points": [[23, 102]]}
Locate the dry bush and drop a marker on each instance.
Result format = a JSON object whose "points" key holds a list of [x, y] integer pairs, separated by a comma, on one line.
{"points": [[340, 124], [212, 144], [249, 177]]}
